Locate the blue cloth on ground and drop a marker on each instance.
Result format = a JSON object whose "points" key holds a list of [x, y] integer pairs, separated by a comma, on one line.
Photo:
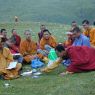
{"points": [[36, 63]]}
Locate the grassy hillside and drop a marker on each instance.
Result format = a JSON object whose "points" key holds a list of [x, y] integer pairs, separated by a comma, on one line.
{"points": [[58, 11], [51, 83], [58, 30]]}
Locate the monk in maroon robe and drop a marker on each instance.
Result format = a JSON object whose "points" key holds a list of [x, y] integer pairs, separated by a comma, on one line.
{"points": [[82, 58], [14, 42], [40, 34]]}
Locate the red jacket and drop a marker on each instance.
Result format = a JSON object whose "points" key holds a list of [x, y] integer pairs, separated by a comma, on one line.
{"points": [[82, 58]]}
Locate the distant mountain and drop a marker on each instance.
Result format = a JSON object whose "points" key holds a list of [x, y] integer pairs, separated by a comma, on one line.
{"points": [[57, 11]]}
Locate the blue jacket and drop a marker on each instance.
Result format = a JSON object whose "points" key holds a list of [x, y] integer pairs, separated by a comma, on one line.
{"points": [[82, 40]]}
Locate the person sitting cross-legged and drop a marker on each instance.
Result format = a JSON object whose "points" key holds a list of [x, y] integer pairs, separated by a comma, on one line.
{"points": [[47, 43], [69, 40], [6, 58], [14, 42], [28, 48]]}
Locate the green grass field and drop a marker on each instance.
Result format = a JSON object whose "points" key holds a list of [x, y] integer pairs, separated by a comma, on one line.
{"points": [[51, 83], [58, 30]]}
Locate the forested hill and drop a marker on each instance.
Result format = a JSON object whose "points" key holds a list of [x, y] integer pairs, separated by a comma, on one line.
{"points": [[57, 11]]}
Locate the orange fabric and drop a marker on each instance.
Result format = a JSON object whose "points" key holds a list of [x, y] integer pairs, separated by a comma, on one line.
{"points": [[51, 41], [40, 55], [28, 49], [13, 73], [91, 34], [87, 32], [5, 59], [68, 43]]}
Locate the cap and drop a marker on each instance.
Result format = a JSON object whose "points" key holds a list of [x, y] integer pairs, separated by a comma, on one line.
{"points": [[69, 33]]}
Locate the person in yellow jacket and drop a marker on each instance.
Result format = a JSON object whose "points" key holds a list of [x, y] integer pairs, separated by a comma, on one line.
{"points": [[89, 32], [46, 43], [5, 59]]}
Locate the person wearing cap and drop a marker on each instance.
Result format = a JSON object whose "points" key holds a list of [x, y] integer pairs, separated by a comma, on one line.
{"points": [[82, 59], [69, 40], [66, 44], [78, 39], [89, 32], [6, 58]]}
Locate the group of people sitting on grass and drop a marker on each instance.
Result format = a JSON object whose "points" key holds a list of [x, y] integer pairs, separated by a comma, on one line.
{"points": [[77, 53]]}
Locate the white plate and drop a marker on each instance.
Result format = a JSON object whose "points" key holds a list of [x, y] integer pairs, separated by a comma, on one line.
{"points": [[35, 76], [37, 73], [26, 73]]}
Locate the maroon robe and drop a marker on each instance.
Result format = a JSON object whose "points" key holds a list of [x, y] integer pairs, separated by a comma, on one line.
{"points": [[16, 42], [82, 58], [40, 35]]}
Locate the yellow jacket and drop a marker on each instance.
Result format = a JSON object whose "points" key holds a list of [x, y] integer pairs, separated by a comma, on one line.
{"points": [[51, 41], [28, 49], [91, 34], [5, 59], [52, 66]]}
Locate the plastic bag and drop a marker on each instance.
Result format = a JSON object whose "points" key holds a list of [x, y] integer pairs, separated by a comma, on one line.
{"points": [[36, 63], [52, 56]]}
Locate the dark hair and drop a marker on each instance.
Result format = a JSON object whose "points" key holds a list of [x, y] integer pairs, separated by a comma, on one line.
{"points": [[2, 30], [2, 40], [76, 29], [13, 30], [46, 30], [59, 48], [73, 21], [42, 25], [85, 21], [27, 31], [94, 23]]}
